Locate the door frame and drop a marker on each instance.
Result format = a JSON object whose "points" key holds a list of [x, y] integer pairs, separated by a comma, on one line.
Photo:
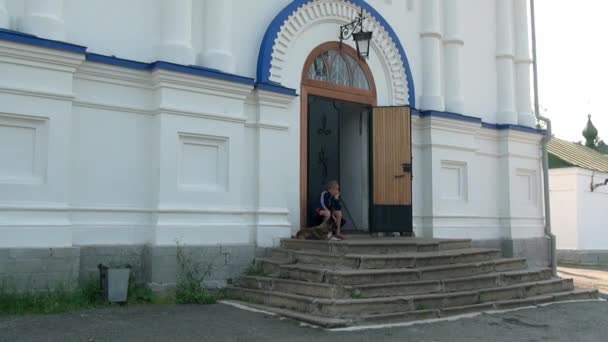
{"points": [[330, 91]]}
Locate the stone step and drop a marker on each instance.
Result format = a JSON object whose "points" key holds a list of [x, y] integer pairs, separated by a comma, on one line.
{"points": [[351, 308], [297, 287], [270, 265], [408, 316], [325, 290], [380, 261], [416, 315], [341, 276], [375, 246], [447, 285]]}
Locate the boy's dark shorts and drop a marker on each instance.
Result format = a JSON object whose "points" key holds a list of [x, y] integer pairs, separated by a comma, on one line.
{"points": [[319, 218]]}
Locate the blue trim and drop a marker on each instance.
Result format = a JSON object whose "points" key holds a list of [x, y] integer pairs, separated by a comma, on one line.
{"points": [[449, 115], [202, 71], [192, 70], [28, 39], [461, 117], [276, 88], [18, 37], [121, 62], [266, 48], [520, 128]]}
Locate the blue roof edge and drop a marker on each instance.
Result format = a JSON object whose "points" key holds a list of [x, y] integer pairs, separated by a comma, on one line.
{"points": [[276, 88], [28, 39], [467, 118]]}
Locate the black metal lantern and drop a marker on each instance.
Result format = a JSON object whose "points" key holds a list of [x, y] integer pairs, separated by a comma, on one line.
{"points": [[361, 38]]}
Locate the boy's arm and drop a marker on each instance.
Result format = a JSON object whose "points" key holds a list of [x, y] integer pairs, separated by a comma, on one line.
{"points": [[325, 199]]}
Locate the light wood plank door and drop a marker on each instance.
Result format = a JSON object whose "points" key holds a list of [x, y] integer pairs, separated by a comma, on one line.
{"points": [[392, 156]]}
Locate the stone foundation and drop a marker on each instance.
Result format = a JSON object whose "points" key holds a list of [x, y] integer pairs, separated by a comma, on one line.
{"points": [[112, 256], [161, 263], [157, 266], [582, 257], [39, 268], [536, 250]]}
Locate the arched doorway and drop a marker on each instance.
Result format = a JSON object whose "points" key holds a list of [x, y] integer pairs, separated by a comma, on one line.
{"points": [[336, 85], [346, 138]]}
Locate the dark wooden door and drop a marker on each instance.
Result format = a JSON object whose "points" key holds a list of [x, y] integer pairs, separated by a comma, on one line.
{"points": [[323, 148], [391, 170]]}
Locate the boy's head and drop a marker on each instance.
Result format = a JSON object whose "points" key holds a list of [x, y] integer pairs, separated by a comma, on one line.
{"points": [[333, 187]]}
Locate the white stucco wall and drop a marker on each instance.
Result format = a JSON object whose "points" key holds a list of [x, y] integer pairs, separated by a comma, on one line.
{"points": [[93, 153], [578, 215], [130, 29]]}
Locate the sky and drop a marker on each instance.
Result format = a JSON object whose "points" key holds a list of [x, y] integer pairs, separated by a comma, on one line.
{"points": [[572, 56]]}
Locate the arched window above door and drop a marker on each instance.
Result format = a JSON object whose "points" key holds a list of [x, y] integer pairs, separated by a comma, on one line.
{"points": [[338, 67]]}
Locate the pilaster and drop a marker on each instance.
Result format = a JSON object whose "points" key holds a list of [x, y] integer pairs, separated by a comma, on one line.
{"points": [[44, 18], [5, 19], [506, 109], [272, 131], [430, 35], [176, 32], [453, 44], [218, 49], [523, 62]]}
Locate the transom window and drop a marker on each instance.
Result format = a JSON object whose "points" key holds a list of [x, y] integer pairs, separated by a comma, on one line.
{"points": [[337, 67]]}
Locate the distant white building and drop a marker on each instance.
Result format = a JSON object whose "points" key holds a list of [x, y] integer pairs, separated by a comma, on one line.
{"points": [[126, 126], [578, 183]]}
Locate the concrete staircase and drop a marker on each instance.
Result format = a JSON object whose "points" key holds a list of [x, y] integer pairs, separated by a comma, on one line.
{"points": [[386, 280]]}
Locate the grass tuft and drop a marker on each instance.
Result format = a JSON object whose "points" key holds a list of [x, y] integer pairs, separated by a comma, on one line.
{"points": [[48, 301], [190, 287]]}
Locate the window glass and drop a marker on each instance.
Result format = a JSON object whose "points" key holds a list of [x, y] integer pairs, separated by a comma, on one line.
{"points": [[340, 72], [359, 79], [336, 67], [318, 70]]}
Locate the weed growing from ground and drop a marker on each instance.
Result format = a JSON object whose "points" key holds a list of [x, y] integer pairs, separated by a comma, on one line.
{"points": [[356, 295], [191, 275]]}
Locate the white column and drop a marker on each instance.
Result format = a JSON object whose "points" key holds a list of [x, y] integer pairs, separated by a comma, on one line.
{"points": [[218, 52], [453, 43], [506, 110], [5, 20], [431, 98], [523, 63], [176, 32], [44, 18]]}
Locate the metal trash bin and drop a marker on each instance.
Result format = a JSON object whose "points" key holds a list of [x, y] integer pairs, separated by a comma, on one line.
{"points": [[114, 283]]}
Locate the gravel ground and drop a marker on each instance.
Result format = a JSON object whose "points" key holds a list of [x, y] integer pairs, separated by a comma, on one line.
{"points": [[581, 321]]}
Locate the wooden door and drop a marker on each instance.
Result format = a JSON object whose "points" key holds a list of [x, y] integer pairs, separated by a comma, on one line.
{"points": [[391, 170], [323, 149]]}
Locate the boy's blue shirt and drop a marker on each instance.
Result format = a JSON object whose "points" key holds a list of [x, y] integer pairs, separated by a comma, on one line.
{"points": [[329, 202]]}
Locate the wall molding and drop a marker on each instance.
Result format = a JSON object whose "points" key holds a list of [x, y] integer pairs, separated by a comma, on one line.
{"points": [[38, 93], [135, 210]]}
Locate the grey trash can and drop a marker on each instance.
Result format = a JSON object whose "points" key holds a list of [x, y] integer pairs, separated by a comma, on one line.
{"points": [[114, 283]]}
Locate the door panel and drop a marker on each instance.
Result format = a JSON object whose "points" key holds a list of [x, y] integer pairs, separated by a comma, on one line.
{"points": [[391, 165], [323, 148]]}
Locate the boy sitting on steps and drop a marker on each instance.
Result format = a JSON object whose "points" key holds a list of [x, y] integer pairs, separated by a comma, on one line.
{"points": [[330, 208]]}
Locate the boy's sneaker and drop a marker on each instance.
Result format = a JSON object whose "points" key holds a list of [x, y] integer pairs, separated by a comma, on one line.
{"points": [[341, 236]]}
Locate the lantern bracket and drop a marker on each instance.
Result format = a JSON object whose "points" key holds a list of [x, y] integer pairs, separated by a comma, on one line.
{"points": [[350, 30]]}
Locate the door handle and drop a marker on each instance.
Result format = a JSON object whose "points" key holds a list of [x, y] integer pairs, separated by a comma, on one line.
{"points": [[407, 167], [399, 176]]}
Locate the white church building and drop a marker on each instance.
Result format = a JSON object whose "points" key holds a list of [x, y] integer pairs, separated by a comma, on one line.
{"points": [[127, 127]]}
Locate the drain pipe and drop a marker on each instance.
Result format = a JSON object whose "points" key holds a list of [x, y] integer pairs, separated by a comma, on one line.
{"points": [[548, 234]]}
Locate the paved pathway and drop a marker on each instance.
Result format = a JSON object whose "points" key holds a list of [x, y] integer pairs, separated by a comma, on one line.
{"points": [[581, 322], [586, 277]]}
